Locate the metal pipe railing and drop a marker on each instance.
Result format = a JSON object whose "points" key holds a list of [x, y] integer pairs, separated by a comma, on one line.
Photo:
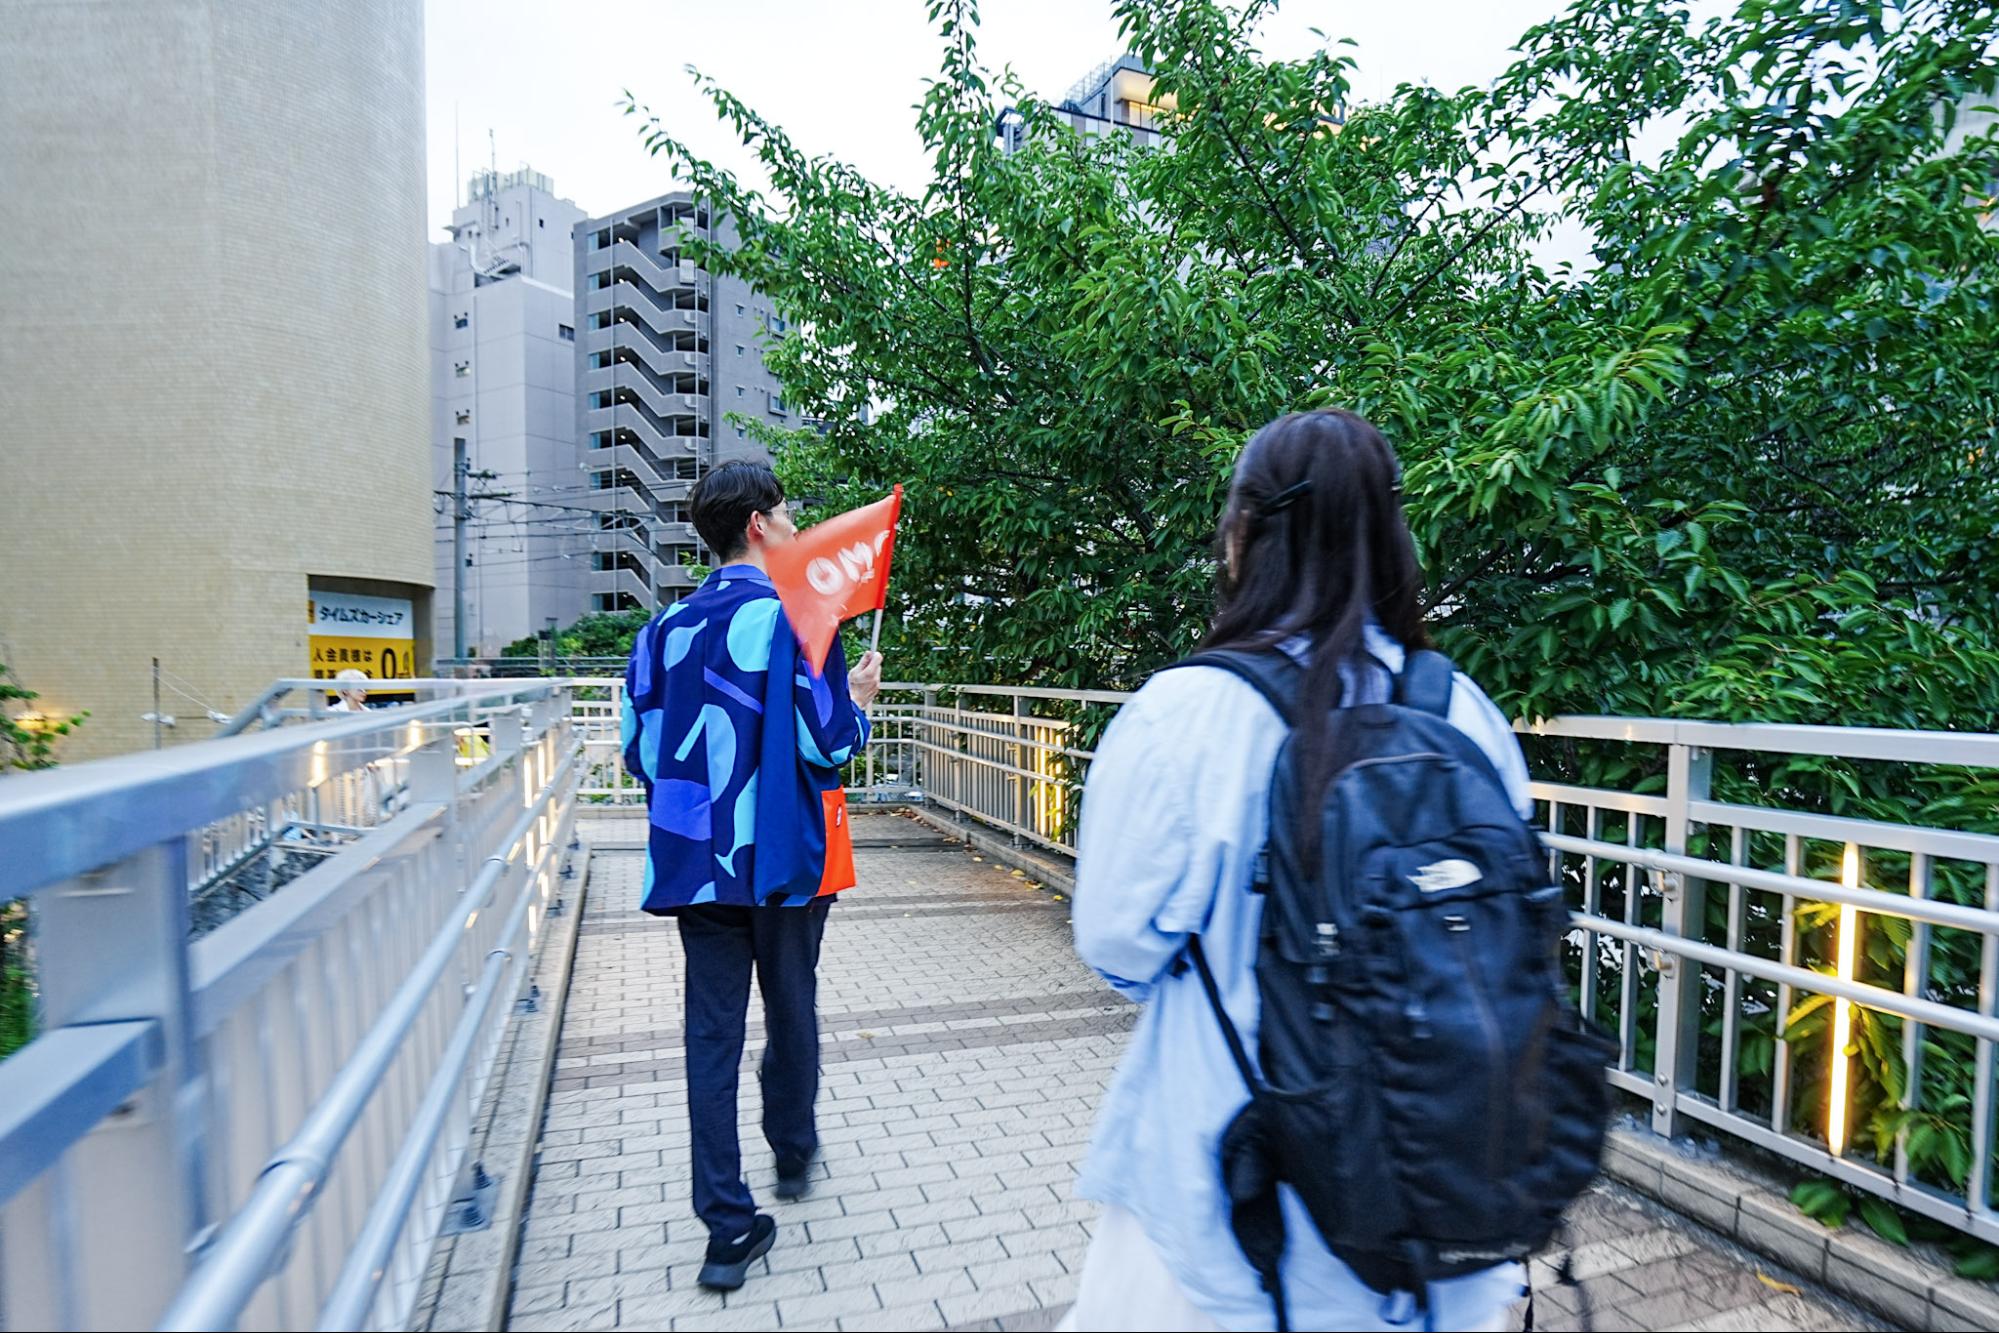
{"points": [[1930, 911], [243, 1255], [236, 1076], [367, 1262], [981, 757]]}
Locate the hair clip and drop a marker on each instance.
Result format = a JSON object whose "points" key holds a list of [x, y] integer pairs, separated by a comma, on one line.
{"points": [[1284, 498]]}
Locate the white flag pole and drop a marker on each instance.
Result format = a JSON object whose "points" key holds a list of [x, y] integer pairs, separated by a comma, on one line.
{"points": [[875, 647]]}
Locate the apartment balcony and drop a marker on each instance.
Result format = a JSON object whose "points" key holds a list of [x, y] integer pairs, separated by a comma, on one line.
{"points": [[662, 310], [654, 512], [662, 315], [661, 432], [650, 271], [656, 473], [630, 380], [646, 589], [661, 359], [625, 581], [629, 329]]}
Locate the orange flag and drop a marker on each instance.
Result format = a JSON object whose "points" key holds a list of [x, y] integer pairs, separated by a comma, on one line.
{"points": [[834, 571]]}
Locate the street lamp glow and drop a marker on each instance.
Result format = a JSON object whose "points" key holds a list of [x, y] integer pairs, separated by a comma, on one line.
{"points": [[1842, 1010]]}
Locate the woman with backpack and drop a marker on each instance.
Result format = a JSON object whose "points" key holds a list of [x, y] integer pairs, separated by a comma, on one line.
{"points": [[1187, 890]]}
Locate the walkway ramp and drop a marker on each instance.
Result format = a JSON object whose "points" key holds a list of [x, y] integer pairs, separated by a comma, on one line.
{"points": [[965, 1053]]}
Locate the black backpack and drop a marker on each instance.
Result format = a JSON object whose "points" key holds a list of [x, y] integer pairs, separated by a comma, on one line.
{"points": [[1427, 1089]]}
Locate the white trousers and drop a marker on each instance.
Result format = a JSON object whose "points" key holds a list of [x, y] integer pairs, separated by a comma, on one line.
{"points": [[1126, 1287]]}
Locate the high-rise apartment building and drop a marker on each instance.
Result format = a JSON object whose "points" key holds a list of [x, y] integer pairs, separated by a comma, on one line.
{"points": [[503, 416], [666, 355], [214, 377], [1113, 98]]}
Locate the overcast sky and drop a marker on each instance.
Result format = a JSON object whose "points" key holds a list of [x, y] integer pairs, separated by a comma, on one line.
{"points": [[840, 75]]}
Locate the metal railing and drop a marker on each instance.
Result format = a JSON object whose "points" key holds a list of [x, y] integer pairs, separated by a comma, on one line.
{"points": [[1702, 1003], [884, 772], [262, 1127], [1723, 986]]}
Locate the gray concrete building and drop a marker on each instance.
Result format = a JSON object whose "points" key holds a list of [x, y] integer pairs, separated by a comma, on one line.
{"points": [[666, 355], [213, 369], [503, 371]]}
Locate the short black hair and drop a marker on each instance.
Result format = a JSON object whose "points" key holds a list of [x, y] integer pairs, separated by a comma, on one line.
{"points": [[724, 500]]}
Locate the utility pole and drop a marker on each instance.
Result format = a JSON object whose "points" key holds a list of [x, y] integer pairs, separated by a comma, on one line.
{"points": [[461, 513], [461, 510]]}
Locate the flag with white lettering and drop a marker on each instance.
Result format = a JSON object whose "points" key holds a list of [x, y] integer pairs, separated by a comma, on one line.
{"points": [[833, 571]]}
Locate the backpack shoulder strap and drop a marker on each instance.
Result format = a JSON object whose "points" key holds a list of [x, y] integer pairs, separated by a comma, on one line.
{"points": [[1425, 683], [1273, 674]]}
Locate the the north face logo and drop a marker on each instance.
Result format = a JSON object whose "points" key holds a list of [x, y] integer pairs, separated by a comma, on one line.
{"points": [[1441, 875]]}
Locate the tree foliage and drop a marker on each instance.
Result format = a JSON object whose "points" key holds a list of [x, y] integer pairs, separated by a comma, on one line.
{"points": [[1739, 464], [599, 634], [25, 743]]}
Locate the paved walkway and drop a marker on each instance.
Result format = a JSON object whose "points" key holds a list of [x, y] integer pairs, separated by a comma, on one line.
{"points": [[965, 1052]]}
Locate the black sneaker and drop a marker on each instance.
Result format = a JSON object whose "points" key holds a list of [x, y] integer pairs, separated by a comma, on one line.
{"points": [[794, 1181], [728, 1263]]}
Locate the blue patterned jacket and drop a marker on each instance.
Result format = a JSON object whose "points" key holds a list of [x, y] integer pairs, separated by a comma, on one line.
{"points": [[734, 738]]}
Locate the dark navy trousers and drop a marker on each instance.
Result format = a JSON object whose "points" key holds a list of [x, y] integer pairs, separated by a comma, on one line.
{"points": [[722, 945]]}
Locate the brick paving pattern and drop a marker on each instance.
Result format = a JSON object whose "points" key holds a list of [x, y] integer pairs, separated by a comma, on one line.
{"points": [[965, 1051]]}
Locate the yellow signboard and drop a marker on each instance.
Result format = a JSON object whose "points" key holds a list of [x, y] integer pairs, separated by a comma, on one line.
{"points": [[373, 635]]}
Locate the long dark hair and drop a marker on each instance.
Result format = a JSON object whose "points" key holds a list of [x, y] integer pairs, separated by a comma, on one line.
{"points": [[1313, 545]]}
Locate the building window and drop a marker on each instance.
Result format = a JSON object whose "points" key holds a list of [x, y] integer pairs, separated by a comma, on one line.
{"points": [[541, 222], [459, 321], [462, 369], [777, 405], [777, 323], [464, 416], [739, 349], [566, 332], [739, 391], [739, 310], [739, 432]]}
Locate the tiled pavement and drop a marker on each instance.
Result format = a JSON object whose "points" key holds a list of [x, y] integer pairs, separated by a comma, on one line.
{"points": [[965, 1051]]}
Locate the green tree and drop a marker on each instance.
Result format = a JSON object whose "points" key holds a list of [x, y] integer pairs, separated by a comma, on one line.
{"points": [[1740, 464], [600, 634], [1750, 437], [27, 736], [27, 741]]}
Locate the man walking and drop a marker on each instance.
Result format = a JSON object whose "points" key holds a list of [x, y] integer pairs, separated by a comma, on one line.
{"points": [[735, 739]]}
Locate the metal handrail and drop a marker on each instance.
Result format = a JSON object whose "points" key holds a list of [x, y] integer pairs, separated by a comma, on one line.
{"points": [[354, 1291], [980, 752], [242, 1256], [1963, 748], [1928, 910], [167, 1062], [62, 822]]}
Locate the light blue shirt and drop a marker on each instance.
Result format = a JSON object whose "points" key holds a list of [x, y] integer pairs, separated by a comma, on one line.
{"points": [[1174, 813]]}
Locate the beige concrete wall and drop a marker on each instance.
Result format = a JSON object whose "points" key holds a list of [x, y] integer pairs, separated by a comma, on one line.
{"points": [[214, 372]]}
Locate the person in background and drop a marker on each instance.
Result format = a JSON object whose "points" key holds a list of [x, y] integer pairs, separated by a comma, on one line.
{"points": [[1317, 560], [735, 738], [352, 695]]}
